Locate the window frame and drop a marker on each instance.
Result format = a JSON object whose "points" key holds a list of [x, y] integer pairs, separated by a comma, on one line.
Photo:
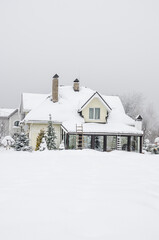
{"points": [[94, 114], [15, 123]]}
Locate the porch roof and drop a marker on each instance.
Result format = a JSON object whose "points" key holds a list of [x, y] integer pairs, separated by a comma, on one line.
{"points": [[102, 129]]}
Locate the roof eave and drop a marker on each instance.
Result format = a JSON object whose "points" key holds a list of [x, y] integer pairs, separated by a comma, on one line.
{"points": [[40, 122], [108, 133]]}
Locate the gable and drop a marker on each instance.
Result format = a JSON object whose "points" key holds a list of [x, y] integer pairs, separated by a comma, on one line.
{"points": [[95, 111], [95, 95]]}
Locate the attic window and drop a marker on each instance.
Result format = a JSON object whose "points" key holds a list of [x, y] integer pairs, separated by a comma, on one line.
{"points": [[94, 113]]}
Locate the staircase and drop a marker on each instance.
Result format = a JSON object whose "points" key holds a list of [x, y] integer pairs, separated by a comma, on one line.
{"points": [[118, 143], [79, 136], [114, 143]]}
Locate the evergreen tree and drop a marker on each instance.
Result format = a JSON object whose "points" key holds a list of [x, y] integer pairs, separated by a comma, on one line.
{"points": [[39, 139], [50, 135], [22, 142]]}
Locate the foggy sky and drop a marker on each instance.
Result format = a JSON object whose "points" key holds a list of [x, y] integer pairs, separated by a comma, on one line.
{"points": [[111, 46]]}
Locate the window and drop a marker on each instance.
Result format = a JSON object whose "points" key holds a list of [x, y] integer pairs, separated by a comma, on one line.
{"points": [[16, 123], [87, 142], [94, 113], [97, 113], [72, 141], [91, 113], [98, 143]]}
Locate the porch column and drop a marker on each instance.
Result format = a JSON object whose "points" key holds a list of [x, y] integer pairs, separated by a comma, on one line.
{"points": [[105, 143], [92, 142], [67, 141], [129, 143], [62, 134], [141, 142]]}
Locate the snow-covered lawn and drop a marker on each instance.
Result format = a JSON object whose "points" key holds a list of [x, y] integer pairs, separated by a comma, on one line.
{"points": [[79, 195]]}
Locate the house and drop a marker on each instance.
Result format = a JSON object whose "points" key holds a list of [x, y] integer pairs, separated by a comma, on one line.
{"points": [[82, 118], [9, 122]]}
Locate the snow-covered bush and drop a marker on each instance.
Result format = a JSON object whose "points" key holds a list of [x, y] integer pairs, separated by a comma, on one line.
{"points": [[147, 145], [62, 145], [43, 145], [155, 146], [8, 142], [155, 149], [157, 141], [146, 142]]}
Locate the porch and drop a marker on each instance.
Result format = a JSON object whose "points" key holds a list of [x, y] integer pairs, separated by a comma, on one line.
{"points": [[131, 143]]}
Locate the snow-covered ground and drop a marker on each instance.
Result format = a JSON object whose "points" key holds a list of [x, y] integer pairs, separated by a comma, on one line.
{"points": [[79, 195]]}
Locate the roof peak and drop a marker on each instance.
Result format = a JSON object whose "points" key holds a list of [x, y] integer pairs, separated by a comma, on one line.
{"points": [[92, 96], [139, 118], [56, 76], [76, 80]]}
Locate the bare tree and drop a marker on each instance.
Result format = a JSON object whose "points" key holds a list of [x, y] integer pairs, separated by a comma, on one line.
{"points": [[135, 104]]}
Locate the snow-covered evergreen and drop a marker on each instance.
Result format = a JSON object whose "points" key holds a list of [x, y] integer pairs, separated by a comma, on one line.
{"points": [[22, 142], [50, 135]]}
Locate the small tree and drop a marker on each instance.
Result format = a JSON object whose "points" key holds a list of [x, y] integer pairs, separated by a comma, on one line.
{"points": [[39, 139], [22, 142], [50, 135], [134, 104]]}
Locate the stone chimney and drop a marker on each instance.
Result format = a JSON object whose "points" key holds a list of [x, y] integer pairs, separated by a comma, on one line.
{"points": [[76, 85], [55, 88], [138, 122]]}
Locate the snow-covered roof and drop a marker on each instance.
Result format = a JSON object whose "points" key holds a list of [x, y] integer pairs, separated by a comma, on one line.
{"points": [[65, 112], [66, 108], [32, 100], [6, 112], [109, 128]]}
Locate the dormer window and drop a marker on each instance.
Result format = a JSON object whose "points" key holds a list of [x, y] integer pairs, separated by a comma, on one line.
{"points": [[94, 113]]}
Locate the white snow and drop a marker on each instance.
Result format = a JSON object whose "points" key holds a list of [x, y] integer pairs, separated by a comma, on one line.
{"points": [[67, 106], [5, 112], [79, 195], [32, 100], [112, 128]]}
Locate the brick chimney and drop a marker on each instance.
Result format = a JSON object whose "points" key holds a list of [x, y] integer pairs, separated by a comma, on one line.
{"points": [[55, 88], [76, 85]]}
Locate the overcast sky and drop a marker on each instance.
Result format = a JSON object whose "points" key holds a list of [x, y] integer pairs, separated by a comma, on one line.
{"points": [[111, 46]]}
